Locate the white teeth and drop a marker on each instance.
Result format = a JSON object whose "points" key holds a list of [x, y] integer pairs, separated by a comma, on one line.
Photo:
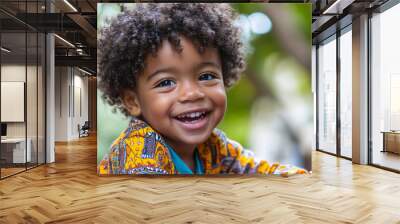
{"points": [[191, 115]]}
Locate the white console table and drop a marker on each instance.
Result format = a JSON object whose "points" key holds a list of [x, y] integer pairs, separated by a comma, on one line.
{"points": [[18, 150]]}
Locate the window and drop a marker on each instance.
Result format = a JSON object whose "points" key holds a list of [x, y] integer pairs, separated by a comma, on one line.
{"points": [[346, 93], [327, 96], [385, 88], [22, 86]]}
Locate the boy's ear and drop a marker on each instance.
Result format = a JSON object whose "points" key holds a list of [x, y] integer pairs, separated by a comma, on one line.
{"points": [[131, 102]]}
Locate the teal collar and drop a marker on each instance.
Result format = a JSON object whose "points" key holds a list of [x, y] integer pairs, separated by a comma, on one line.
{"points": [[181, 166]]}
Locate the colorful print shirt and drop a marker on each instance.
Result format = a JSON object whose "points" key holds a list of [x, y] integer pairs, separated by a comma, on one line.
{"points": [[141, 150]]}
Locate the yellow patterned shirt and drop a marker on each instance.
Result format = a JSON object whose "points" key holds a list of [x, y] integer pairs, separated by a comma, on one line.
{"points": [[141, 150]]}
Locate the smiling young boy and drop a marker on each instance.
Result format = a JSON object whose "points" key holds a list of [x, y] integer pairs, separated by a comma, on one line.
{"points": [[168, 66]]}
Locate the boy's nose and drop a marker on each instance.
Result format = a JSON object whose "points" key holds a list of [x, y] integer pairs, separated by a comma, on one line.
{"points": [[190, 92]]}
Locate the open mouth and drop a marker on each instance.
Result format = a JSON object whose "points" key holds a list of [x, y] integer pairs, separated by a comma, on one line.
{"points": [[192, 117]]}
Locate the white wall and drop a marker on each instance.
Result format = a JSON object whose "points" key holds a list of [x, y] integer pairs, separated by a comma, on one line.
{"points": [[61, 103], [33, 126], [80, 110], [14, 72], [71, 94], [17, 72]]}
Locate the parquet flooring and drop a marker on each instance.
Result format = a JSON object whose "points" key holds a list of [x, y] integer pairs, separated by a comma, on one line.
{"points": [[388, 159], [9, 171], [69, 191]]}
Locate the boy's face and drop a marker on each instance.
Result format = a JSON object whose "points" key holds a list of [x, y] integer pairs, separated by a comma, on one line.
{"points": [[180, 95]]}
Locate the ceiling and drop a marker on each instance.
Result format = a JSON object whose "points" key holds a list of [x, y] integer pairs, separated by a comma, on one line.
{"points": [[75, 21], [331, 15]]}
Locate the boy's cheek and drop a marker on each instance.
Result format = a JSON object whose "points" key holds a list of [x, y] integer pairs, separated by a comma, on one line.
{"points": [[222, 98], [221, 102]]}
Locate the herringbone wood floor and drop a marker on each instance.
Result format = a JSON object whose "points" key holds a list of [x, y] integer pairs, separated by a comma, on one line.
{"points": [[70, 191]]}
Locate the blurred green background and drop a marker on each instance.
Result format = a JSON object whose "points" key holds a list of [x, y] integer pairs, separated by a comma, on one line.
{"points": [[270, 110]]}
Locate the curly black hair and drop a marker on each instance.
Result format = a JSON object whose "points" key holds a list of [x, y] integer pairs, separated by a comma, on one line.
{"points": [[131, 36]]}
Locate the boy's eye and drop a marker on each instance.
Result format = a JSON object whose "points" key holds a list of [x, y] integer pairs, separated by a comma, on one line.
{"points": [[165, 83], [207, 76]]}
